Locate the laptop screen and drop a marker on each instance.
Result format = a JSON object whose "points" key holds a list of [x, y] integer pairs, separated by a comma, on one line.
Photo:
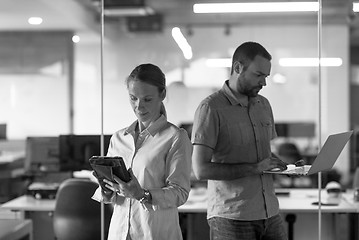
{"points": [[330, 151]]}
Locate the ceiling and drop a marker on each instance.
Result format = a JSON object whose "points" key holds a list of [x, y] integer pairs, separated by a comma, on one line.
{"points": [[82, 16]]}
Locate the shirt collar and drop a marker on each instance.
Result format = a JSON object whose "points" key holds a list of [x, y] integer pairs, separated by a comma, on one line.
{"points": [[154, 128], [233, 99]]}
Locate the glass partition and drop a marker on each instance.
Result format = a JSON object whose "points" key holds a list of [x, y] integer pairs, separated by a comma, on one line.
{"points": [[57, 82], [335, 81]]}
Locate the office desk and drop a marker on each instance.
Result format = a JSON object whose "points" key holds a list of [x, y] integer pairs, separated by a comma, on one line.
{"points": [[298, 202], [14, 229], [29, 203], [39, 211], [301, 201], [338, 222]]}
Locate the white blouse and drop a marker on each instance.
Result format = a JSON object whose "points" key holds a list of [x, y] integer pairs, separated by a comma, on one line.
{"points": [[161, 161]]}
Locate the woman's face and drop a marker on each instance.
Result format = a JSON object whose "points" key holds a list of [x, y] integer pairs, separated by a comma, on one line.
{"points": [[145, 100]]}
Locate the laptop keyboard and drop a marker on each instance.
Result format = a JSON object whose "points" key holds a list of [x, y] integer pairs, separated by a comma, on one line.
{"points": [[297, 171], [302, 170]]}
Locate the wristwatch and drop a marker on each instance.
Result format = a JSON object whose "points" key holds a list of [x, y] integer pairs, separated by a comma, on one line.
{"points": [[146, 197]]}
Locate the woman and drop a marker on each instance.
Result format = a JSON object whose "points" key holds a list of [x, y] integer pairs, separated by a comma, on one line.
{"points": [[158, 155]]}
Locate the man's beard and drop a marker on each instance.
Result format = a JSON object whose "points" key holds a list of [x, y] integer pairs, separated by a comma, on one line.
{"points": [[253, 92]]}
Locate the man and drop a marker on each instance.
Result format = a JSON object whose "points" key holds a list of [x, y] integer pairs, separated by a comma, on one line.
{"points": [[231, 135]]}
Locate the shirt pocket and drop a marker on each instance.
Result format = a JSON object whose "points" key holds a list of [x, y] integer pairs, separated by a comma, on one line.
{"points": [[239, 133], [267, 129]]}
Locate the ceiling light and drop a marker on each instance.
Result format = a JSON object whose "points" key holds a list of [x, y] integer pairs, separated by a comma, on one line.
{"points": [[35, 20], [182, 43], [256, 7], [121, 8], [355, 6], [310, 62], [284, 62], [75, 38], [130, 11]]}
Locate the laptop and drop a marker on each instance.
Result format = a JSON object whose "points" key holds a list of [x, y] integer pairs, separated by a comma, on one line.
{"points": [[326, 158]]}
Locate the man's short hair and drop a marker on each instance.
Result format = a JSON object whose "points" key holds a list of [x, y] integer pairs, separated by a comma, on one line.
{"points": [[247, 51]]}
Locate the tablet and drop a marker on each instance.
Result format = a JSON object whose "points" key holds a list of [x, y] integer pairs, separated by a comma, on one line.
{"points": [[108, 167]]}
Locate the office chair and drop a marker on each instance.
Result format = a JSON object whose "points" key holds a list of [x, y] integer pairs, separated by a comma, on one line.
{"points": [[289, 152], [77, 216]]}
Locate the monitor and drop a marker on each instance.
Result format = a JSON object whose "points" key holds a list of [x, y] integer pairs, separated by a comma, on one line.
{"points": [[42, 154], [76, 150], [295, 129], [3, 131]]}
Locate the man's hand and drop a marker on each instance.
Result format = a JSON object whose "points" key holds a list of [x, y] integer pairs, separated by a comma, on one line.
{"points": [[299, 163], [271, 163]]}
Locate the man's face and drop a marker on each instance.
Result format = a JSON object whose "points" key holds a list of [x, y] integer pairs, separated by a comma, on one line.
{"points": [[252, 80]]}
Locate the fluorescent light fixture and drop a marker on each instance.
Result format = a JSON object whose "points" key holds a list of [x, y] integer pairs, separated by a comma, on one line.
{"points": [[256, 7], [284, 62], [182, 43], [35, 20], [355, 6], [121, 8], [310, 62], [219, 62], [128, 11]]}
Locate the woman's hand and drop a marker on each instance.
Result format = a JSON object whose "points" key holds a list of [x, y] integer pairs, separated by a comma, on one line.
{"points": [[102, 183], [131, 189]]}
